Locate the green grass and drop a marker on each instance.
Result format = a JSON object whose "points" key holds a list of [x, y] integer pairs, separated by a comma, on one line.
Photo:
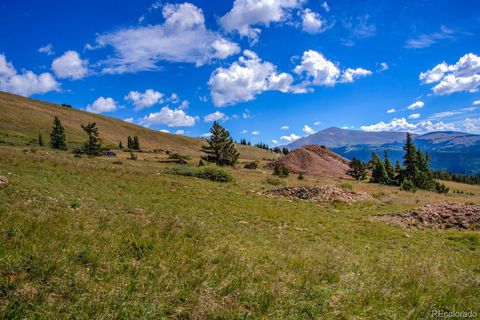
{"points": [[87, 238], [209, 173]]}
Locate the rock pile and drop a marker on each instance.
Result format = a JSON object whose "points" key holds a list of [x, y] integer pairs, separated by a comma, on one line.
{"points": [[3, 181], [439, 216], [321, 193]]}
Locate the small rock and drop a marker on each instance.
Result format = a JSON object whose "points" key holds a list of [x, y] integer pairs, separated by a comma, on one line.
{"points": [[3, 181]]}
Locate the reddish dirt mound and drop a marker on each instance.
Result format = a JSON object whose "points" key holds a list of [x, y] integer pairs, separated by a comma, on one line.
{"points": [[322, 193], [439, 216], [314, 160]]}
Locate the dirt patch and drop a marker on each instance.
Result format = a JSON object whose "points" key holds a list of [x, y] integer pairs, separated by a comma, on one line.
{"points": [[438, 216], [322, 193], [3, 181], [314, 160]]}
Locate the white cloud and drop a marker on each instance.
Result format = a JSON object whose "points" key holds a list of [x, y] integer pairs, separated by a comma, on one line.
{"points": [[318, 123], [183, 37], [164, 131], [383, 67], [284, 127], [414, 116], [146, 99], [180, 132], [47, 49], [427, 40], [217, 115], [245, 14], [349, 75], [102, 105], [170, 118], [319, 71], [174, 98], [129, 120], [274, 141], [312, 22], [246, 78], [471, 125], [403, 125], [392, 110], [246, 114], [476, 102], [243, 131], [206, 135], [362, 28], [290, 138], [27, 83], [325, 6], [416, 105], [461, 76], [307, 130], [70, 66], [255, 133], [185, 104]]}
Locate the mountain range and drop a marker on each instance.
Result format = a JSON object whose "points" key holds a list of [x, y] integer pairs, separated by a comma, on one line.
{"points": [[457, 152]]}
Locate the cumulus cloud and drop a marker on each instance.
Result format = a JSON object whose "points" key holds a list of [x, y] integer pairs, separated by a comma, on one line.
{"points": [[402, 124], [102, 105], [461, 76], [307, 130], [290, 138], [246, 14], [47, 49], [274, 141], [146, 99], [246, 78], [183, 37], [217, 115], [392, 110], [312, 22], [383, 67], [319, 71], [414, 116], [170, 118], [427, 40], [70, 66], [471, 125], [27, 83], [416, 105], [476, 102]]}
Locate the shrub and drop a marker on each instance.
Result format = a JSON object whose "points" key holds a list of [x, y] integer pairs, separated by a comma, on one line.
{"points": [[201, 163], [408, 185], [251, 165], [347, 186], [300, 176], [274, 181], [441, 188], [281, 171], [133, 156], [209, 173]]}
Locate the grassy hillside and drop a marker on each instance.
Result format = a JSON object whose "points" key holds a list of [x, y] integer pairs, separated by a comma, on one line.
{"points": [[22, 119], [103, 238]]}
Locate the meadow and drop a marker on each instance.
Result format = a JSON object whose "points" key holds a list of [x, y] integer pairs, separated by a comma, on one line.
{"points": [[102, 238]]}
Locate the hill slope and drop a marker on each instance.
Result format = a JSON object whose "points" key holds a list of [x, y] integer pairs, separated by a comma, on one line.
{"points": [[22, 119], [314, 160]]}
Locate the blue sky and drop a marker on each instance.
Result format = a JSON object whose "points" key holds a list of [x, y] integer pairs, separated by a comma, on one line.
{"points": [[270, 71]]}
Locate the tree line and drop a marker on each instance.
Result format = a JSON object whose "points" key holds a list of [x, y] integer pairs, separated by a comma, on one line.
{"points": [[457, 177], [415, 173]]}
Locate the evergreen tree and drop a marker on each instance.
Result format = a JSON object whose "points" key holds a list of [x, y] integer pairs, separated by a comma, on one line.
{"points": [[398, 167], [93, 145], [120, 145], [129, 143], [40, 140], [379, 173], [221, 148], [358, 170], [136, 143], [409, 159], [57, 136], [389, 168]]}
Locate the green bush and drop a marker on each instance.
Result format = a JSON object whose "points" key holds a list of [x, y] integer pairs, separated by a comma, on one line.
{"points": [[251, 165], [441, 188], [274, 181], [408, 185], [208, 173], [347, 186], [301, 176], [281, 171]]}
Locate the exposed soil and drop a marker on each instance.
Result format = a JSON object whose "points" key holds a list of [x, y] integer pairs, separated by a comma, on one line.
{"points": [[321, 193], [314, 160], [3, 181], [438, 216]]}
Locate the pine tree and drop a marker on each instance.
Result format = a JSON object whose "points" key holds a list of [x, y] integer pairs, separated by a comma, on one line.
{"points": [[40, 140], [136, 143], [129, 143], [120, 145], [93, 145], [409, 159], [389, 168], [358, 170], [379, 173], [221, 148], [57, 136]]}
